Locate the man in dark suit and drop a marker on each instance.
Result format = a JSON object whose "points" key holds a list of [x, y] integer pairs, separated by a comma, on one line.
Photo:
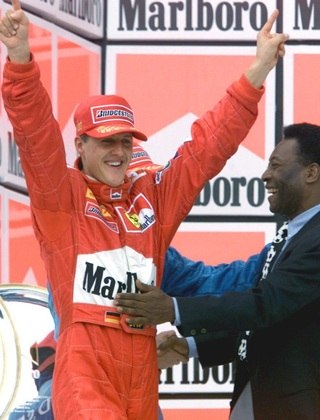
{"points": [[272, 330]]}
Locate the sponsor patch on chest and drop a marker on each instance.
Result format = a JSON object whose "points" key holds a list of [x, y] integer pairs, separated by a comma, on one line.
{"points": [[97, 212], [100, 276], [139, 217]]}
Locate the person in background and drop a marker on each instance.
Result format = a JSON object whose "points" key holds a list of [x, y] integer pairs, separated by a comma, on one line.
{"points": [[100, 228], [271, 330], [40, 407]]}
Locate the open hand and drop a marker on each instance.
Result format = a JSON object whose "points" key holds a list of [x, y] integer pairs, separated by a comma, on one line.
{"points": [[150, 307]]}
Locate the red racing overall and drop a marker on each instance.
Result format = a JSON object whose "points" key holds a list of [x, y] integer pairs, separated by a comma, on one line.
{"points": [[96, 240]]}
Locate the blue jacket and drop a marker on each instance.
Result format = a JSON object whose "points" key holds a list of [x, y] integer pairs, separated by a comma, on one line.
{"points": [[184, 277]]}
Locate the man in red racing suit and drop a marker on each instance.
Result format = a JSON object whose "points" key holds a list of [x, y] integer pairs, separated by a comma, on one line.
{"points": [[97, 239]]}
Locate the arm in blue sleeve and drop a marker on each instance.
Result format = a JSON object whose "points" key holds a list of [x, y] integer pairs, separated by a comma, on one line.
{"points": [[184, 277]]}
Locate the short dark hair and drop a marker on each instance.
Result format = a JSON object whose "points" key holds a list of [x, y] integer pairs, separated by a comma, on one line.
{"points": [[308, 139], [84, 137]]}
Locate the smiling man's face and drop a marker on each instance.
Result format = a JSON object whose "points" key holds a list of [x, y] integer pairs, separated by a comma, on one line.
{"points": [[107, 159], [285, 179]]}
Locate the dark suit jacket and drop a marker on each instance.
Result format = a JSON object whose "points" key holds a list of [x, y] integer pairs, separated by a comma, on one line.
{"points": [[283, 312]]}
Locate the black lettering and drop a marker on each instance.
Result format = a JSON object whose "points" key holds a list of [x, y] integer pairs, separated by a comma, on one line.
{"points": [[108, 291], [92, 281], [162, 16], [174, 7], [188, 26], [107, 287], [184, 376], [128, 14], [68, 6], [221, 374], [239, 7], [304, 9], [147, 222], [14, 163], [228, 192], [156, 21], [256, 192], [169, 376], [221, 192], [262, 8], [204, 6], [236, 183], [198, 371], [224, 16], [86, 10], [122, 287], [131, 282]]}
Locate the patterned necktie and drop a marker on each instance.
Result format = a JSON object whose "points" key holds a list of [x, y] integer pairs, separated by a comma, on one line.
{"points": [[273, 253], [275, 248]]}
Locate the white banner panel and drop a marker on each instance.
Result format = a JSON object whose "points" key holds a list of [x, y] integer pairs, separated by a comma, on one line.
{"points": [[186, 20], [169, 87], [301, 19], [301, 84], [84, 17]]}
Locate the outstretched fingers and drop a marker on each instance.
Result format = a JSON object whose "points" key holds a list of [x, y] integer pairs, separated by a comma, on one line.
{"points": [[267, 27], [16, 5]]}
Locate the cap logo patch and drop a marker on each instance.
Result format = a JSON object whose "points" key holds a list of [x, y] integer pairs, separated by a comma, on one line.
{"points": [[140, 154], [107, 113], [104, 129]]}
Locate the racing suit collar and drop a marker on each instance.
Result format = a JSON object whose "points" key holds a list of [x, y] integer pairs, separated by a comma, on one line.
{"points": [[105, 194]]}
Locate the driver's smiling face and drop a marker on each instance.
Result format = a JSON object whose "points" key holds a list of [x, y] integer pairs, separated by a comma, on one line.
{"points": [[107, 159]]}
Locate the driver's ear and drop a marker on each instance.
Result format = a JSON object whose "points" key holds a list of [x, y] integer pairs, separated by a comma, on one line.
{"points": [[78, 142]]}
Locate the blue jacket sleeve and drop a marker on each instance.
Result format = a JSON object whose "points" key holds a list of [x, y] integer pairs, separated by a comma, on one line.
{"points": [[184, 277]]}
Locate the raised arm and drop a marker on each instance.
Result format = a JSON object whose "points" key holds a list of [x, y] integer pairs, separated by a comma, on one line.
{"points": [[270, 47], [14, 31]]}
